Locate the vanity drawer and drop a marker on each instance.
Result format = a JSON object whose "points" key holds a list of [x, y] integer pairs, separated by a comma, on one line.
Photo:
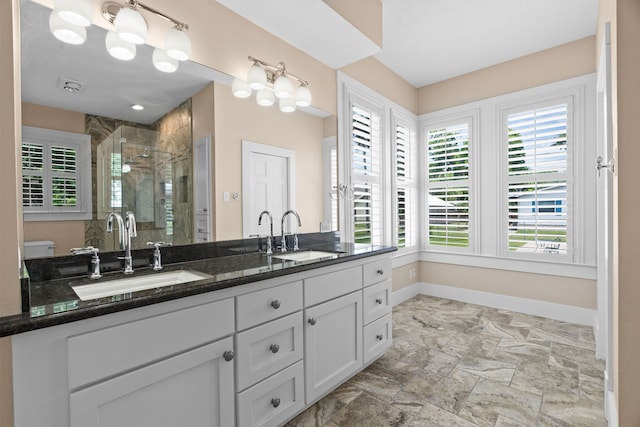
{"points": [[377, 271], [110, 351], [377, 301], [266, 349], [273, 401], [377, 338], [331, 285], [262, 306]]}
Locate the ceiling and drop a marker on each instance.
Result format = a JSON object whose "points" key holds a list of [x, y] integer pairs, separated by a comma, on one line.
{"points": [[426, 41]]}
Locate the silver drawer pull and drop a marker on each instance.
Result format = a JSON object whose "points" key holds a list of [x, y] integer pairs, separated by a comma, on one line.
{"points": [[274, 348], [275, 402], [275, 304], [378, 300], [228, 355], [379, 337], [380, 272], [312, 321]]}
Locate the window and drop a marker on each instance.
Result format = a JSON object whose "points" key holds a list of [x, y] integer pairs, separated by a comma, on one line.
{"points": [[377, 184], [448, 182], [366, 170], [538, 145], [406, 183], [56, 175]]}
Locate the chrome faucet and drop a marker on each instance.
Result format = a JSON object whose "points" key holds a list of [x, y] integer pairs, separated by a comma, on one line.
{"points": [[270, 236], [295, 237], [126, 230], [95, 261], [157, 257]]}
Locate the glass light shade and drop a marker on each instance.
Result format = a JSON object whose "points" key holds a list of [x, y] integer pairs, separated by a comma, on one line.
{"points": [[303, 96], [287, 105], [118, 48], [164, 62], [177, 44], [126, 168], [283, 88], [240, 89], [131, 26], [66, 32], [76, 12], [265, 97], [257, 78]]}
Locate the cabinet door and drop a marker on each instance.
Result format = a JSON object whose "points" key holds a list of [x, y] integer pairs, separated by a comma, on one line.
{"points": [[192, 389], [333, 343]]}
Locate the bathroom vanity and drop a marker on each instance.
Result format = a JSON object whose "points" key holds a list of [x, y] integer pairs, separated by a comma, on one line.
{"points": [[248, 347]]}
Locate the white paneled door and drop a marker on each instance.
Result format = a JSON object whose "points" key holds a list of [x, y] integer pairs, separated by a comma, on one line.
{"points": [[267, 183]]}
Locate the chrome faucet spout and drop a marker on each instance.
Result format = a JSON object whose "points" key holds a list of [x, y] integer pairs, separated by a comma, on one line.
{"points": [[270, 237], [295, 237], [118, 218]]}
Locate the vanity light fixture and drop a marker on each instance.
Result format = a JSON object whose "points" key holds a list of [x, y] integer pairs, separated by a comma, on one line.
{"points": [[271, 82], [69, 19]]}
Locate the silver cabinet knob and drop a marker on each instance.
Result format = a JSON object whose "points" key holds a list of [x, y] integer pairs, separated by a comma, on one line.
{"points": [[228, 355], [312, 321], [275, 304], [275, 402], [380, 272], [274, 348], [379, 337], [378, 300]]}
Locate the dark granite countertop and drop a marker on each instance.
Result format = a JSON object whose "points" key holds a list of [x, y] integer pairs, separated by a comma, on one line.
{"points": [[49, 300]]}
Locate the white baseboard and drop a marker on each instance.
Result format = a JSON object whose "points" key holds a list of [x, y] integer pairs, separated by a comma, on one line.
{"points": [[567, 313]]}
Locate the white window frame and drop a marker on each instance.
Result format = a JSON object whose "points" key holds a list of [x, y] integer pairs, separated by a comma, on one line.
{"points": [[350, 89], [571, 100], [411, 182], [82, 144], [471, 118], [489, 251]]}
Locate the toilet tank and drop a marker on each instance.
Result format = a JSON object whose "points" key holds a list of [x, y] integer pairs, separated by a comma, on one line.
{"points": [[38, 249]]}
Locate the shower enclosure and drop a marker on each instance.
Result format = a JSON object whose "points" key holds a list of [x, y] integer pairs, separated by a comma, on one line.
{"points": [[134, 173]]}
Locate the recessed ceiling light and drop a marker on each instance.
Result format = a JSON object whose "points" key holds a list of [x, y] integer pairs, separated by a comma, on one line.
{"points": [[137, 107]]}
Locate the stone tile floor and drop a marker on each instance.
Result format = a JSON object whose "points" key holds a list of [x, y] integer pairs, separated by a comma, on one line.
{"points": [[456, 364]]}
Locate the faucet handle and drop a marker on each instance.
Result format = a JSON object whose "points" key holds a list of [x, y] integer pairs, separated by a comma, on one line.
{"points": [[158, 245], [85, 250]]}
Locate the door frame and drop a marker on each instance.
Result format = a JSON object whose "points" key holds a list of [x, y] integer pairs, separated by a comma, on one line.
{"points": [[604, 321], [249, 147]]}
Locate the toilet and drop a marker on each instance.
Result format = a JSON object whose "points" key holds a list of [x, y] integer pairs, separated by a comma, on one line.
{"points": [[38, 249]]}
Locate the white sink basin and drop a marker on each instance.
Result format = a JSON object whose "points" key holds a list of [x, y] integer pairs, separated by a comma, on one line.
{"points": [[305, 255], [132, 284]]}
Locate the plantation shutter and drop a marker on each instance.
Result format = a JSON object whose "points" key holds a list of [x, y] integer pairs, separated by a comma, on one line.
{"points": [[448, 184], [538, 187], [366, 131], [49, 176], [406, 227]]}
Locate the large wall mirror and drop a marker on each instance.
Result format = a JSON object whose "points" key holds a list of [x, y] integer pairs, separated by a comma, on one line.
{"points": [[142, 160]]}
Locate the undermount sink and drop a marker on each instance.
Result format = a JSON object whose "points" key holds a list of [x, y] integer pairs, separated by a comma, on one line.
{"points": [[132, 284], [305, 255]]}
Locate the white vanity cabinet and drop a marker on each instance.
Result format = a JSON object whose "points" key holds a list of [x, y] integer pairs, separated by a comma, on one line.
{"points": [[251, 355], [377, 308], [333, 329]]}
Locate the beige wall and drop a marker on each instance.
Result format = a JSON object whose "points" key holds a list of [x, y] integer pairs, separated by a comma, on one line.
{"points": [[242, 119], [11, 211], [551, 65], [541, 287], [624, 16], [64, 234], [405, 275], [378, 77]]}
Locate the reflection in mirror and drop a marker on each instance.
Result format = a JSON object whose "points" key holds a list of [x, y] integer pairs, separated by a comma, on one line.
{"points": [[178, 110], [141, 159]]}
